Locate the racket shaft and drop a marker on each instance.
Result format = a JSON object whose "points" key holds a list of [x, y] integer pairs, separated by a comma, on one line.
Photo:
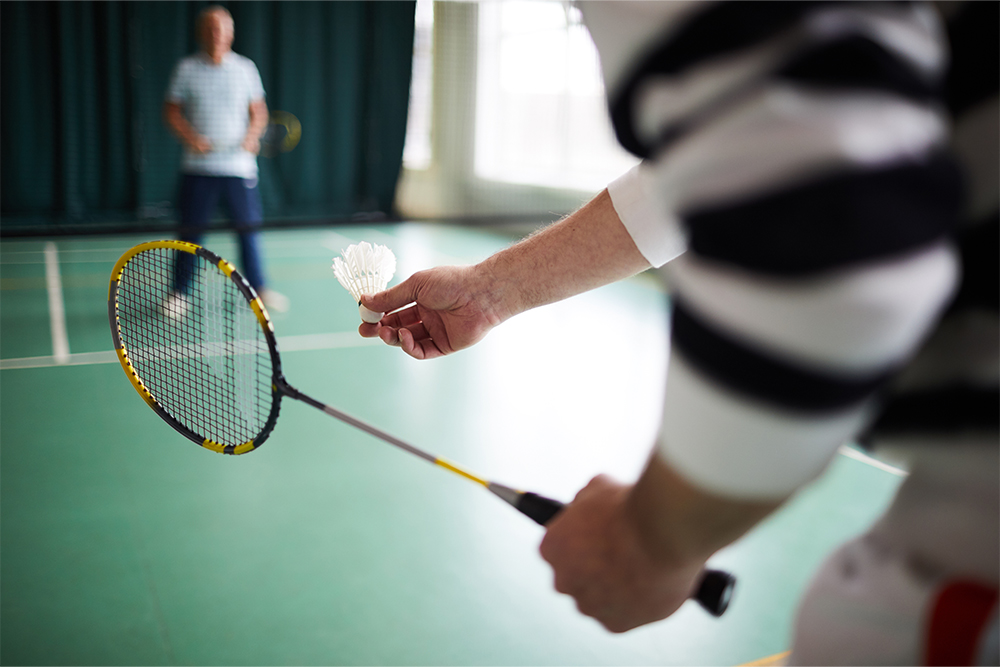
{"points": [[713, 591], [379, 433], [292, 392]]}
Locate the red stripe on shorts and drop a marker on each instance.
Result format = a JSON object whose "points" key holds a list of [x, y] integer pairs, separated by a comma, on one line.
{"points": [[958, 617]]}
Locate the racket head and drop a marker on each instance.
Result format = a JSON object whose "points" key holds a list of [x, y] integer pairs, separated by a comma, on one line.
{"points": [[208, 366], [282, 134]]}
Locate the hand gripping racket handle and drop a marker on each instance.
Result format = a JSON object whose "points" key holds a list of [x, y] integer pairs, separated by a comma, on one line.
{"points": [[713, 592]]}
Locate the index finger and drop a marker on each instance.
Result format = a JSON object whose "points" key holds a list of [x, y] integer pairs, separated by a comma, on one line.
{"points": [[393, 298]]}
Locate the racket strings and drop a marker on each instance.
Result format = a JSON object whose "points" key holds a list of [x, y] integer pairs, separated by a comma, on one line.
{"points": [[207, 364]]}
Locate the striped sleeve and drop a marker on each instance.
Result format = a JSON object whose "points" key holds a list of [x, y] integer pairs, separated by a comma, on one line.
{"points": [[802, 148]]}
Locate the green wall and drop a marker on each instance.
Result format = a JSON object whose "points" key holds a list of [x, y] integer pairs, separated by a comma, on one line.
{"points": [[83, 146]]}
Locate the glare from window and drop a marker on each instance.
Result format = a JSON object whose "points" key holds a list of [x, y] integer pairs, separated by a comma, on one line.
{"points": [[417, 151], [541, 116]]}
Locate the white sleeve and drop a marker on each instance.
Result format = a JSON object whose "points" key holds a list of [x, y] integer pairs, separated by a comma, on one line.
{"points": [[657, 233], [254, 81], [177, 89]]}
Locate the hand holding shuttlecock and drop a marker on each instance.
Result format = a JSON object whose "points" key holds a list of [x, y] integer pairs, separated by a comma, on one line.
{"points": [[365, 270]]}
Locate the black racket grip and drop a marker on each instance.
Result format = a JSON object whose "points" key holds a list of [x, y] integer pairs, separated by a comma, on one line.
{"points": [[538, 508], [714, 591]]}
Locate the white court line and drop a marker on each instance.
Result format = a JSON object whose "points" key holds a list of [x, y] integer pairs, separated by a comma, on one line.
{"points": [[852, 453], [57, 312], [327, 341]]}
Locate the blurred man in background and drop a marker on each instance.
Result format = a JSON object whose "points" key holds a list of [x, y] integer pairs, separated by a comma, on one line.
{"points": [[215, 106]]}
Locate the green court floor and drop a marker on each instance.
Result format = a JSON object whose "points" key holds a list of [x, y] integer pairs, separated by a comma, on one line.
{"points": [[123, 543]]}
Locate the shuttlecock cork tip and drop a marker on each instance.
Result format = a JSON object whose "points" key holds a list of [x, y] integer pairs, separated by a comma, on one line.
{"points": [[365, 269], [369, 316]]}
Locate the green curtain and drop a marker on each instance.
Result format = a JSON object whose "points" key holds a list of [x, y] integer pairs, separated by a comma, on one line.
{"points": [[82, 142]]}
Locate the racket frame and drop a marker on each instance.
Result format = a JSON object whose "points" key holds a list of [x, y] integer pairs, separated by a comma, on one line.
{"points": [[247, 291], [293, 132]]}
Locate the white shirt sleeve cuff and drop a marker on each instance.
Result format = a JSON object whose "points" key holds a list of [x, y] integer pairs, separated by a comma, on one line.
{"points": [[657, 233]]}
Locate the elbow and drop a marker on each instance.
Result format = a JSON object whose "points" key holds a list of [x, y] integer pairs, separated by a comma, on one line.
{"points": [[167, 115], [897, 310]]}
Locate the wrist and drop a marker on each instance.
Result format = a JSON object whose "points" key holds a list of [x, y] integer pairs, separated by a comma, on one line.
{"points": [[683, 524], [666, 545], [498, 293]]}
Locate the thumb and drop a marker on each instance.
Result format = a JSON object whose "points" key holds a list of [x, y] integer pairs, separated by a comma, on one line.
{"points": [[393, 298]]}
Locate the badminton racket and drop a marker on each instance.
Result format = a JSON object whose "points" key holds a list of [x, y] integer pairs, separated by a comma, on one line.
{"points": [[281, 135], [206, 361]]}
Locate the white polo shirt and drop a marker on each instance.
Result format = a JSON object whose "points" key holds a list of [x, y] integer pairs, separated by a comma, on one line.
{"points": [[216, 101]]}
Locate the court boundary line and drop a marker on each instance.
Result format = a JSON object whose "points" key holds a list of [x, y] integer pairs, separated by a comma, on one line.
{"points": [[57, 307], [852, 453], [300, 343]]}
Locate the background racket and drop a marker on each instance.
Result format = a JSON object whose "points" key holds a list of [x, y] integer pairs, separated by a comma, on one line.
{"points": [[282, 134], [206, 361]]}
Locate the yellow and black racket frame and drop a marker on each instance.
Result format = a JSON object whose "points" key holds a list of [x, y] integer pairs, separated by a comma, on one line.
{"points": [[277, 384]]}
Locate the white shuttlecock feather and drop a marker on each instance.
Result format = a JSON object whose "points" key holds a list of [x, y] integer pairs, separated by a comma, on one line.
{"points": [[365, 269]]}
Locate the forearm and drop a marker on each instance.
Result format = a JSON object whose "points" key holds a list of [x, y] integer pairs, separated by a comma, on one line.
{"points": [[173, 118], [446, 309], [258, 120], [679, 523], [588, 249]]}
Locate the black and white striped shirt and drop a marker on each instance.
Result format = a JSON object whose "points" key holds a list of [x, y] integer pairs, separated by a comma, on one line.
{"points": [[800, 187]]}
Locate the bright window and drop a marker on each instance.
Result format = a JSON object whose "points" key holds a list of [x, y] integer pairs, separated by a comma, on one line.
{"points": [[417, 150], [541, 115]]}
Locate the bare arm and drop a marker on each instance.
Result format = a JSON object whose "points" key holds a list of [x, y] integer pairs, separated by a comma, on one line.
{"points": [[680, 522], [588, 249], [173, 117], [258, 123], [454, 307], [631, 555]]}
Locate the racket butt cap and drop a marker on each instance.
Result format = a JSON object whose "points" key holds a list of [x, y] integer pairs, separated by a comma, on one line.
{"points": [[715, 591]]}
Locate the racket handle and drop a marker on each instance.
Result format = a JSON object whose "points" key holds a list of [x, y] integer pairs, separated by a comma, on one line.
{"points": [[713, 592], [538, 508]]}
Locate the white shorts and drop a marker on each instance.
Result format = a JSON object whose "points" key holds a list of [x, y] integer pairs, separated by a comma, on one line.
{"points": [[921, 586]]}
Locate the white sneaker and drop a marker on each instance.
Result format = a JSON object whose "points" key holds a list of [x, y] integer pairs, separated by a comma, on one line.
{"points": [[175, 306], [275, 301]]}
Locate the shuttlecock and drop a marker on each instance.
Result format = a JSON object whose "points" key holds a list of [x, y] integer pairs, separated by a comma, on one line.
{"points": [[364, 270]]}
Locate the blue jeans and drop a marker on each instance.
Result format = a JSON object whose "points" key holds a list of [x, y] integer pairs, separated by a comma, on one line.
{"points": [[199, 197]]}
